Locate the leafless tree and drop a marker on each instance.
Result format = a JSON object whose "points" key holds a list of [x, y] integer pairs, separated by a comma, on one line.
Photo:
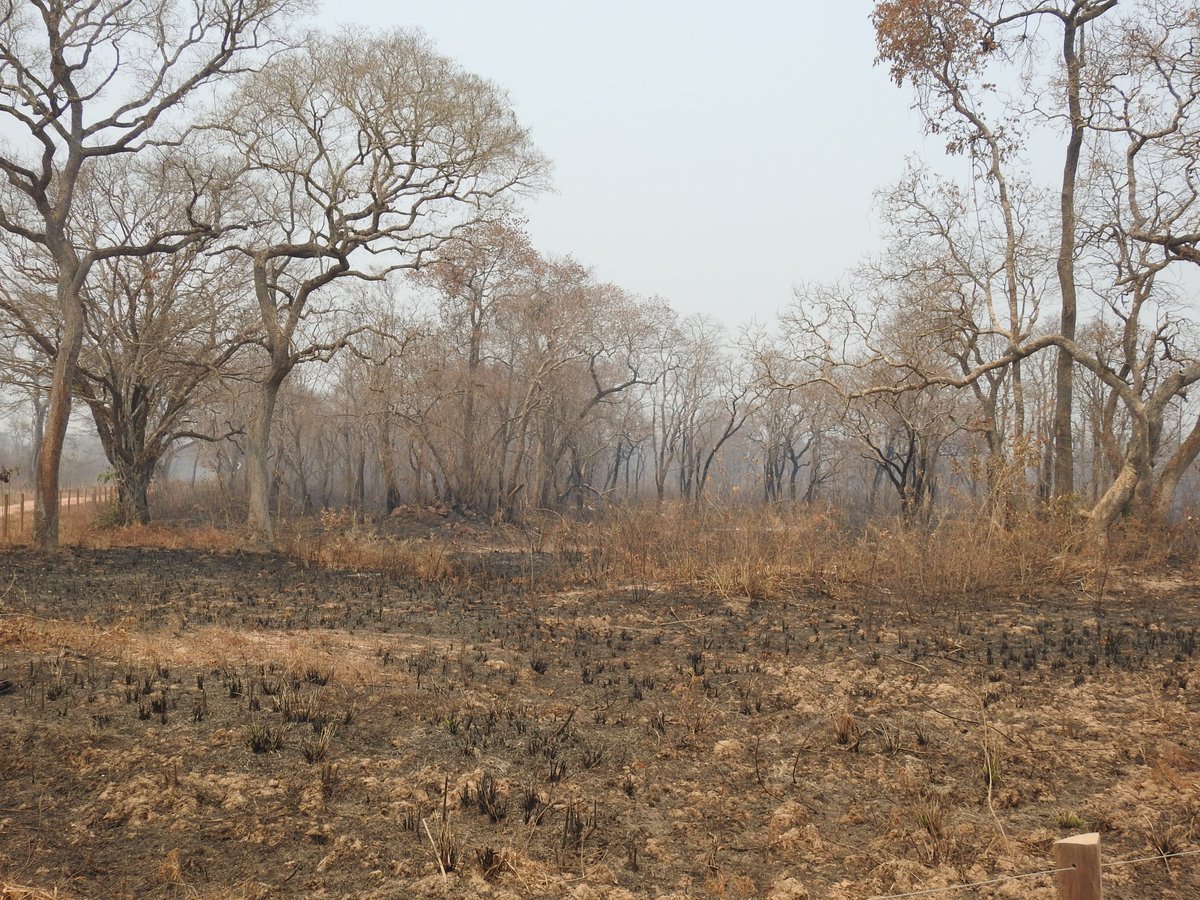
{"points": [[976, 262], [366, 153], [952, 52], [83, 81], [479, 278]]}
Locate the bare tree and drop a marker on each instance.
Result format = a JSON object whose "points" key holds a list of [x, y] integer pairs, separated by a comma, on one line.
{"points": [[478, 277], [518, 377], [81, 81], [360, 147], [889, 353], [158, 326], [951, 52], [789, 427], [1145, 218], [975, 262]]}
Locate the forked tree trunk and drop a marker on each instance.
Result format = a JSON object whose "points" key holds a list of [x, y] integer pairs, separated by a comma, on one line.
{"points": [[1172, 473], [1135, 474], [1112, 505], [133, 493]]}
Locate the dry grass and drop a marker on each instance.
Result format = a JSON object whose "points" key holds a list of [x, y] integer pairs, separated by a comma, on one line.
{"points": [[341, 541], [733, 552], [383, 733], [18, 892], [761, 553], [185, 519], [166, 537]]}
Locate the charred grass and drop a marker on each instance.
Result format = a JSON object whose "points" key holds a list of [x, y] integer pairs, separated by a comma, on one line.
{"points": [[651, 705]]}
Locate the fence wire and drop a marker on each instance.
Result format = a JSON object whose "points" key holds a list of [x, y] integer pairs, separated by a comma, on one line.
{"points": [[974, 884], [1130, 862]]}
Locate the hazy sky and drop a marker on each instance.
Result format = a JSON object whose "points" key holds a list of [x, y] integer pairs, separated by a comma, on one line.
{"points": [[710, 155]]}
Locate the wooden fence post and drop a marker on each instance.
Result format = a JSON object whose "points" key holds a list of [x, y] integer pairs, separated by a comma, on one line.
{"points": [[6, 517], [22, 512], [1080, 856]]}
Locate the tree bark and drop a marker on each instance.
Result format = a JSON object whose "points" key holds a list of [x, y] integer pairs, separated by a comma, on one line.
{"points": [[468, 479], [358, 487], [133, 493], [39, 426], [58, 416], [1172, 473], [258, 448], [1135, 475], [387, 462], [1112, 505], [1064, 450]]}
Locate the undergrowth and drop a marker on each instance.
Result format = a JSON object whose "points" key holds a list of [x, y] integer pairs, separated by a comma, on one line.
{"points": [[745, 552]]}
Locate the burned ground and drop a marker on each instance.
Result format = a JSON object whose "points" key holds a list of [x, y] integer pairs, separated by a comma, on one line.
{"points": [[223, 724]]}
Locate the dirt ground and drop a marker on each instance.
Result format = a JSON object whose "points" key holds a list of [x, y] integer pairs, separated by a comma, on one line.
{"points": [[187, 723]]}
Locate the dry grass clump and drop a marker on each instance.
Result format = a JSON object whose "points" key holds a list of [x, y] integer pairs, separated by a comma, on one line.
{"points": [[165, 537], [411, 558], [731, 551], [959, 558], [19, 892], [1150, 547], [208, 503], [184, 518], [343, 541], [761, 552], [336, 539]]}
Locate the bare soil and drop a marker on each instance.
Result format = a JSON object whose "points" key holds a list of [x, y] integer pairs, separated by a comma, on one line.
{"points": [[185, 723]]}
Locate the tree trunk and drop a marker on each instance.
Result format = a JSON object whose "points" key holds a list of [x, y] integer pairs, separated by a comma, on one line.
{"points": [[1135, 474], [1112, 505], [387, 462], [358, 491], [1172, 474], [416, 461], [1064, 450], [468, 481], [39, 426], [58, 415], [258, 448], [133, 493]]}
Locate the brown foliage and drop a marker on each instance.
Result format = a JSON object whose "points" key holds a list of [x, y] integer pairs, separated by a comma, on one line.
{"points": [[918, 39]]}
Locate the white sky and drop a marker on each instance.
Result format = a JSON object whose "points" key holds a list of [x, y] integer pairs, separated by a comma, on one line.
{"points": [[709, 155]]}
